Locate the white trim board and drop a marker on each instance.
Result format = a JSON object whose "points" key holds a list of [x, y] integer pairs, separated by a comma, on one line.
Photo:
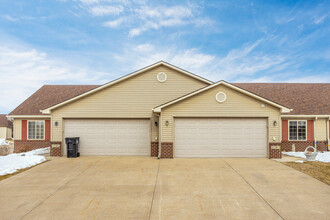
{"points": [[48, 110], [283, 108]]}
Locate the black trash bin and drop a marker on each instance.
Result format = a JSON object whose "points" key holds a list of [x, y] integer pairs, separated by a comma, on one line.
{"points": [[72, 146]]}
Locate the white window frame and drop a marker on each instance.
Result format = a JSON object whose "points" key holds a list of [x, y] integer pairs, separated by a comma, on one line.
{"points": [[28, 130], [297, 130]]}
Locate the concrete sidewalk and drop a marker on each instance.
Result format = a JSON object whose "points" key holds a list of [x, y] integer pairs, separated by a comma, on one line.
{"points": [[147, 188]]}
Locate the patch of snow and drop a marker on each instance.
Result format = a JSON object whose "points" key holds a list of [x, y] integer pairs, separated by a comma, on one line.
{"points": [[299, 161], [322, 157], [3, 142], [14, 162]]}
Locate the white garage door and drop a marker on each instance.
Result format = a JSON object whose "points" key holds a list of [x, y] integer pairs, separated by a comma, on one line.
{"points": [[215, 137], [110, 136]]}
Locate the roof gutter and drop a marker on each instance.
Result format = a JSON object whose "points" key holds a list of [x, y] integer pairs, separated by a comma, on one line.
{"points": [[27, 116], [305, 116]]}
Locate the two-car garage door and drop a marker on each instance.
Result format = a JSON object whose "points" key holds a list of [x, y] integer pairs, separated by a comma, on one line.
{"points": [[219, 137], [110, 136]]}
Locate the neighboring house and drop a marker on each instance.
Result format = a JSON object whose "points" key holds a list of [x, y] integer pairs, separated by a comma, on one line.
{"points": [[6, 128], [164, 110]]}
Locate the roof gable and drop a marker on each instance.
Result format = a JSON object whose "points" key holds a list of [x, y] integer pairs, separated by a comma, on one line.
{"points": [[4, 122], [284, 109], [47, 110]]}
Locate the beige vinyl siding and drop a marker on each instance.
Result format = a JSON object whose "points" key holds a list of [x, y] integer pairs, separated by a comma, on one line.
{"points": [[17, 129], [321, 129], [9, 133], [205, 105], [131, 98], [3, 133]]}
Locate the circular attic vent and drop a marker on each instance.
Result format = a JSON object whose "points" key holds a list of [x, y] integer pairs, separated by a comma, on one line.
{"points": [[220, 97], [161, 77]]}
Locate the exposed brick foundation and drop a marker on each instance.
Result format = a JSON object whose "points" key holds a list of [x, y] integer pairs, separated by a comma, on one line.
{"points": [[28, 145], [154, 149], [299, 145], [275, 153], [322, 145], [56, 148], [167, 150]]}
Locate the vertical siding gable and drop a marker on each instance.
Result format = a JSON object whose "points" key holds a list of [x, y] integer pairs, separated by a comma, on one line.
{"points": [[132, 98], [204, 104]]}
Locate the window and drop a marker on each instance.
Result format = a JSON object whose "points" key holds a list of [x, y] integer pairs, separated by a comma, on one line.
{"points": [[36, 130], [297, 130]]}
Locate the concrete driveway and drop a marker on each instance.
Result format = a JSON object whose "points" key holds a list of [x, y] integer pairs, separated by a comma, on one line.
{"points": [[147, 188]]}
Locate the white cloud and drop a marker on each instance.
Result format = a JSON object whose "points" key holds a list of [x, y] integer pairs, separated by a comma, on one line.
{"points": [[114, 23], [138, 17], [9, 18], [106, 10], [318, 20], [161, 16], [24, 70], [241, 63]]}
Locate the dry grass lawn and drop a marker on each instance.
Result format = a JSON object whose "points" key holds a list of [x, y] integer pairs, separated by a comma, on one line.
{"points": [[318, 170]]}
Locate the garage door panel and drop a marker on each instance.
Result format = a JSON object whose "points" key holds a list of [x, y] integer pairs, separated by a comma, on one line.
{"points": [[218, 137], [110, 136]]}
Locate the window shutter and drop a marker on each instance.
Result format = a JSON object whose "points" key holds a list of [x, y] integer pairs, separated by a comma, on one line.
{"points": [[24, 130], [47, 130], [285, 132], [310, 130]]}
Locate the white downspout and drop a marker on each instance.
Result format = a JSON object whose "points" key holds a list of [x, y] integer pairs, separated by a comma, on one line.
{"points": [[328, 132], [314, 132], [160, 123]]}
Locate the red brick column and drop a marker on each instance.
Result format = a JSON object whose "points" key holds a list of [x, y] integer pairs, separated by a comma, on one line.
{"points": [[275, 150], [167, 150], [56, 148], [154, 149]]}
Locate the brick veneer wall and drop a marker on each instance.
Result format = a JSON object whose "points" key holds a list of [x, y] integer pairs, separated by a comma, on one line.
{"points": [[275, 153], [154, 149], [167, 150], [299, 145], [28, 145], [322, 145]]}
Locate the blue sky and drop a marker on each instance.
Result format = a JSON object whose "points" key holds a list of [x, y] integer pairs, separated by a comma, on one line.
{"points": [[95, 41]]}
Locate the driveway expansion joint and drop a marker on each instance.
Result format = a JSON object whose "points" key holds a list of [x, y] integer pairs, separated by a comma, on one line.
{"points": [[153, 194], [254, 190]]}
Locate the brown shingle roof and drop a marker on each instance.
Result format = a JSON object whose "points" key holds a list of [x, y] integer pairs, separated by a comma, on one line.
{"points": [[4, 122], [303, 98], [49, 95]]}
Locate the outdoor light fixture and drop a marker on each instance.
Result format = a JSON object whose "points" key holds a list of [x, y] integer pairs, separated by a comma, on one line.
{"points": [[156, 123], [56, 123], [275, 123], [166, 123]]}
